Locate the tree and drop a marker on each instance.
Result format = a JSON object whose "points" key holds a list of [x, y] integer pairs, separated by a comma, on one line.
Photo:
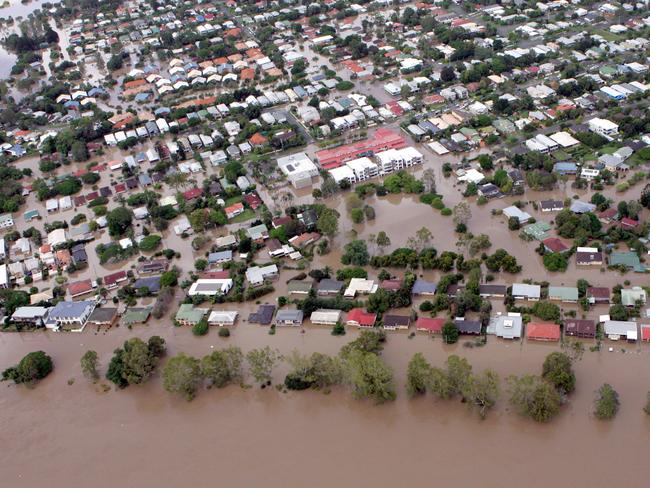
{"points": [[316, 371], [261, 363], [367, 341], [459, 372], [328, 222], [534, 397], [182, 375], [546, 310], [79, 151], [223, 367], [482, 391], [557, 370], [382, 240], [135, 362], [418, 375], [607, 403], [369, 376], [450, 333], [447, 74], [479, 243], [355, 253], [646, 408], [89, 364], [119, 220], [32, 367], [645, 196], [201, 327], [556, 261], [462, 214], [429, 180], [115, 62]]}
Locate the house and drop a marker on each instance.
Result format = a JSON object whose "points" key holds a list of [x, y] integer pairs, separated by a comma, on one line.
{"points": [[589, 256], [464, 326], [542, 331], [6, 221], [360, 318], [630, 296], [103, 316], [360, 285], [297, 287], [395, 322], [112, 280], [597, 294], [579, 207], [289, 317], [148, 283], [79, 255], [4, 277], [298, 168], [222, 318], [583, 328], [391, 285], [493, 291], [619, 329], [506, 326], [34, 316], [555, 244], [263, 316], [628, 260], [153, 266], [234, 210], [329, 287], [220, 257], [79, 288], [258, 233], [521, 216], [189, 315], [70, 316], [523, 291], [604, 127], [566, 294], [136, 315], [325, 316], [430, 325], [210, 287], [256, 275], [645, 333], [423, 288]]}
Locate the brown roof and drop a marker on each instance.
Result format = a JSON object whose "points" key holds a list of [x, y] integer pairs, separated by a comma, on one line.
{"points": [[80, 288], [580, 328]]}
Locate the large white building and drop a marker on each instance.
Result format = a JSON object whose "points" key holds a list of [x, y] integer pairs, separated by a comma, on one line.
{"points": [[603, 127], [298, 168], [210, 287]]}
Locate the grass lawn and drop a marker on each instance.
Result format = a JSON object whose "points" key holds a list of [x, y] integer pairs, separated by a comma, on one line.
{"points": [[609, 149], [247, 214], [609, 36], [232, 200]]}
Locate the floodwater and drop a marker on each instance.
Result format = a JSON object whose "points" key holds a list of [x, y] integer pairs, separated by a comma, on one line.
{"points": [[17, 9], [142, 435]]}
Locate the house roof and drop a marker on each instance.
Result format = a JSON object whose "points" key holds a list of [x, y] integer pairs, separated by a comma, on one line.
{"points": [[70, 310], [103, 315], [555, 244], [361, 317], [263, 316], [289, 316], [429, 324], [468, 326], [421, 287], [396, 320], [581, 327], [136, 315], [543, 331], [80, 287], [329, 285]]}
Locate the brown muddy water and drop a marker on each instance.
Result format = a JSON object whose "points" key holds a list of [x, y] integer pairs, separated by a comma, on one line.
{"points": [[74, 436]]}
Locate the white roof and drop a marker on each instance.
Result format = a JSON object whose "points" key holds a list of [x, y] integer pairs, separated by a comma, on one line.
{"points": [[222, 317]]}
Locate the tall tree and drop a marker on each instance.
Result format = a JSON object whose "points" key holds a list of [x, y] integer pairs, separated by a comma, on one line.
{"points": [[182, 375], [89, 364]]}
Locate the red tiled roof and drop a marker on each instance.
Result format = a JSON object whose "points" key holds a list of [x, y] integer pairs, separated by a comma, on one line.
{"points": [[361, 317], [429, 324], [555, 244], [80, 287], [391, 284], [543, 331], [645, 332], [235, 207], [120, 188], [253, 200], [257, 139], [192, 193], [382, 139], [114, 278]]}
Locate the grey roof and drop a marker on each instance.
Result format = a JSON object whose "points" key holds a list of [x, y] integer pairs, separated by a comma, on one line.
{"points": [[215, 257], [522, 289], [103, 315], [506, 326], [330, 285], [70, 310], [263, 316], [289, 316]]}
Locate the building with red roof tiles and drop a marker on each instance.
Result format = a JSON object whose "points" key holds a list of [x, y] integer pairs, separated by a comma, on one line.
{"points": [[253, 200], [234, 210], [361, 318], [543, 331], [192, 193], [391, 285], [258, 139], [428, 324], [247, 74], [79, 288], [382, 140], [645, 332], [554, 244], [113, 279]]}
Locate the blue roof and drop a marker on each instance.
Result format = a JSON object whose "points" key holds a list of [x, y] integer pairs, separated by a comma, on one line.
{"points": [[162, 110], [565, 166], [69, 310], [214, 257], [142, 97], [422, 286], [150, 282]]}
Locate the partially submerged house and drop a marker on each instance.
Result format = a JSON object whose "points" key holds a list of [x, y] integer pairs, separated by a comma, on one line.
{"points": [[583, 328], [543, 331]]}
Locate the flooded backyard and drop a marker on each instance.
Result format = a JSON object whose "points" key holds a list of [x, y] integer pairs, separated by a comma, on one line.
{"points": [[236, 437]]}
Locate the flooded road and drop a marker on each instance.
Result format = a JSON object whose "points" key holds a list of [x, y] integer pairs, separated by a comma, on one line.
{"points": [[142, 435]]}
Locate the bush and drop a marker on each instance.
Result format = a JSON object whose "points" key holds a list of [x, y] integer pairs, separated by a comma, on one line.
{"points": [[607, 403], [338, 329], [446, 212], [437, 204], [224, 332], [150, 243]]}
